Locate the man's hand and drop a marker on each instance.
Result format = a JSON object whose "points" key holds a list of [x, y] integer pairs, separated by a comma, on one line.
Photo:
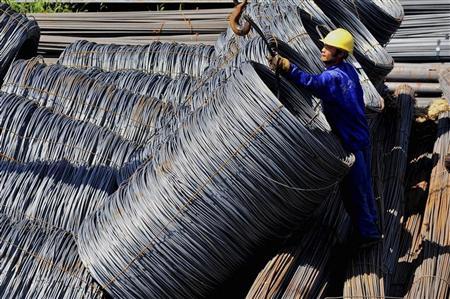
{"points": [[279, 62]]}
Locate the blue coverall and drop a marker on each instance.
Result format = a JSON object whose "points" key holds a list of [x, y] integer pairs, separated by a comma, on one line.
{"points": [[343, 105]]}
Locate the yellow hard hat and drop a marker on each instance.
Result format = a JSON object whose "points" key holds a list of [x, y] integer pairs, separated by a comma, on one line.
{"points": [[339, 38]]}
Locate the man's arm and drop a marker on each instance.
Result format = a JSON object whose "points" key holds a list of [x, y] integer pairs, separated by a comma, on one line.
{"points": [[316, 83]]}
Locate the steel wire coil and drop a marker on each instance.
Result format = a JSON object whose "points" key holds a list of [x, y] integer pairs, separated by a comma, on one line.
{"points": [[19, 37], [375, 60], [55, 194], [212, 213], [158, 86], [30, 133], [381, 17], [298, 25], [39, 262], [431, 277], [169, 59], [72, 93]]}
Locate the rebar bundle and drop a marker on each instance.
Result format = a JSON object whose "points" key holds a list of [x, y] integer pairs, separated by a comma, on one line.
{"points": [[417, 186], [432, 275], [30, 133], [39, 262], [302, 269], [19, 37], [444, 82], [72, 93], [54, 194], [211, 215], [169, 59]]}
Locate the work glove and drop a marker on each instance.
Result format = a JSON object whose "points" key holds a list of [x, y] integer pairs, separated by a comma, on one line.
{"points": [[279, 62]]}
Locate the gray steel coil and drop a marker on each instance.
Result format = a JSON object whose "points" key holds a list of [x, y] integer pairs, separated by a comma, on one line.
{"points": [[170, 59], [157, 86], [30, 133], [72, 93], [54, 194], [19, 37], [39, 262], [222, 186], [381, 17]]}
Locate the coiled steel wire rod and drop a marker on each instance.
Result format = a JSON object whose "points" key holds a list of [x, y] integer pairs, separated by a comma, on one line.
{"points": [[29, 133], [55, 194], [169, 59], [19, 37], [218, 189], [72, 93], [381, 17], [40, 262]]}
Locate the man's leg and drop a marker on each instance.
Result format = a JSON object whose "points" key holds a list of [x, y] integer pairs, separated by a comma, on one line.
{"points": [[358, 198]]}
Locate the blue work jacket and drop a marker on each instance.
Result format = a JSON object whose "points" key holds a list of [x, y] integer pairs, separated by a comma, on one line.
{"points": [[342, 102]]}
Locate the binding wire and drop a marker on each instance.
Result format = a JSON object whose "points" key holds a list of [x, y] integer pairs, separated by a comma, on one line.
{"points": [[54, 194], [220, 187], [38, 262], [19, 37], [72, 93], [30, 133], [169, 59]]}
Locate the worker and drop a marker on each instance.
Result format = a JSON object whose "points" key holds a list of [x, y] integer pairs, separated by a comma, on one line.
{"points": [[342, 101]]}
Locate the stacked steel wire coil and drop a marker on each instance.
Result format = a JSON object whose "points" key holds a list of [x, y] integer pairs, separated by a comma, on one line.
{"points": [[72, 93], [209, 197], [171, 59], [19, 37], [41, 262], [31, 133]]}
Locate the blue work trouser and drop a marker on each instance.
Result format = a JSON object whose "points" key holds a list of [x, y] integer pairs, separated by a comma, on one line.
{"points": [[358, 196]]}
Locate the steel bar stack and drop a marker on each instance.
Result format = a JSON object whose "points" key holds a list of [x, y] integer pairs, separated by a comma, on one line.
{"points": [[424, 34], [431, 277], [130, 28], [418, 173]]}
